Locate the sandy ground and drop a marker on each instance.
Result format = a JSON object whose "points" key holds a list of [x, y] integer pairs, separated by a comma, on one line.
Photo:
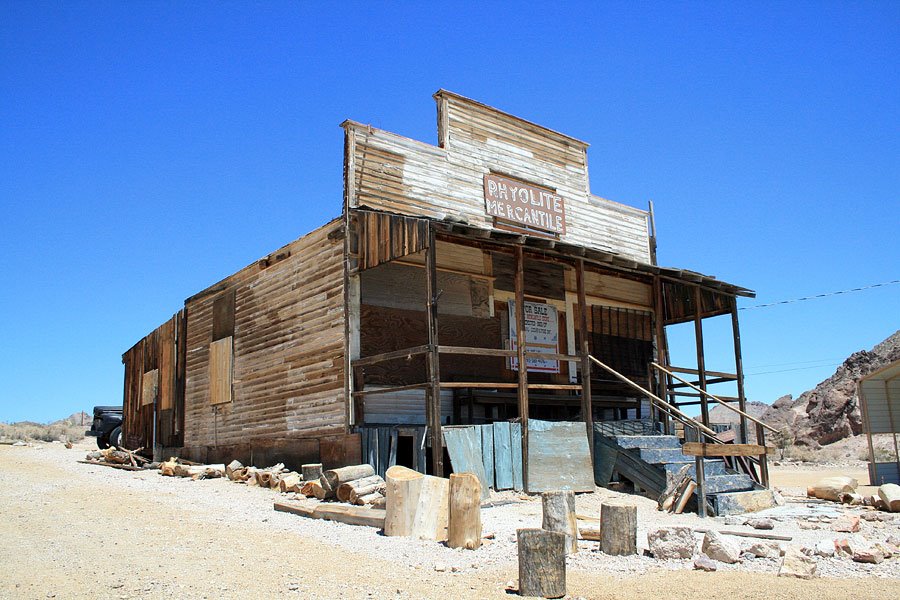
{"points": [[81, 531]]}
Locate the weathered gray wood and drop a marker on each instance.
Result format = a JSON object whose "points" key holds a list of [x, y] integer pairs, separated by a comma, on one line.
{"points": [[487, 453], [384, 449], [311, 471], [560, 457], [559, 515], [464, 525], [542, 563], [464, 448], [619, 530], [515, 445], [358, 487], [503, 471]]}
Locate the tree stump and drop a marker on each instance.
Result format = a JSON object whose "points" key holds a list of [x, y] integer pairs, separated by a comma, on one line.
{"points": [[542, 563], [889, 493], [559, 515], [311, 472], [618, 530], [402, 489], [464, 529]]}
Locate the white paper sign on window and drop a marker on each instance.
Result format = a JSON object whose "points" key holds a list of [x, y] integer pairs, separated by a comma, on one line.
{"points": [[541, 336]]}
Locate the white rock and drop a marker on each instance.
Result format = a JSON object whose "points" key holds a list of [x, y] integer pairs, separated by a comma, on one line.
{"points": [[671, 542], [761, 523], [797, 564], [825, 548], [703, 563], [718, 548], [764, 550]]}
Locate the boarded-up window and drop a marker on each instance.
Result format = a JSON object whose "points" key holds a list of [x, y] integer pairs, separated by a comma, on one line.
{"points": [[221, 365], [223, 316], [149, 387]]}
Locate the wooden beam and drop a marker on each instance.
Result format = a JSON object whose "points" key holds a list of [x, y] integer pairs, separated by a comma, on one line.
{"points": [[701, 360], [523, 367], [739, 369], [587, 410], [394, 355], [476, 351], [390, 390], [433, 397], [719, 450], [662, 354]]}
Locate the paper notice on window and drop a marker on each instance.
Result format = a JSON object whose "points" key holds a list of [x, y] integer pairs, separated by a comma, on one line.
{"points": [[541, 336]]}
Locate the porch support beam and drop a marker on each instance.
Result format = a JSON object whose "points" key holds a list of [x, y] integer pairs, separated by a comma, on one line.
{"points": [[701, 361], [586, 404], [523, 367], [659, 315], [739, 367], [433, 397]]}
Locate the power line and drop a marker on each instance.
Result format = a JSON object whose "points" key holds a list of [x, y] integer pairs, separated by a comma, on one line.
{"points": [[796, 362], [825, 295], [795, 369]]}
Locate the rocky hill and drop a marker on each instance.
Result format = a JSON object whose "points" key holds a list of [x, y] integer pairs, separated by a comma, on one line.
{"points": [[830, 412]]}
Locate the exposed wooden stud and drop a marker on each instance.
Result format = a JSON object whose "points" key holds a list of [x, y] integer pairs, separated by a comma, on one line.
{"points": [[701, 360], [433, 397], [739, 367]]}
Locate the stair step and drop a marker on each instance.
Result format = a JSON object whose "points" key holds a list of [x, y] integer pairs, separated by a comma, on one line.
{"points": [[718, 484], [736, 503], [648, 441], [711, 468], [659, 456]]}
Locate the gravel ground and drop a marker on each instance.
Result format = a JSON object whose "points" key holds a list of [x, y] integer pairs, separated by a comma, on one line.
{"points": [[214, 538]]}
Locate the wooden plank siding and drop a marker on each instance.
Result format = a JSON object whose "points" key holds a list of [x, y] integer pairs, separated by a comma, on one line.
{"points": [[288, 378], [391, 173]]}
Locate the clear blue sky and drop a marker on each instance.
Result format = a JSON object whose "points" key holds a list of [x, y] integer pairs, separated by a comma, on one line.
{"points": [[148, 149]]}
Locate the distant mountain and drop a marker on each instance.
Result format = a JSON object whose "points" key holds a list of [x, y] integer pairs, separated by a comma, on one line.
{"points": [[830, 411]]}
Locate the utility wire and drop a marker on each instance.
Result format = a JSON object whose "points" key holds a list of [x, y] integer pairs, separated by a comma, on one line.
{"points": [[795, 369], [825, 295]]}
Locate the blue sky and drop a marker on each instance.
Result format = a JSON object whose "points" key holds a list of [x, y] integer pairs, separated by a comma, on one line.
{"points": [[148, 149]]}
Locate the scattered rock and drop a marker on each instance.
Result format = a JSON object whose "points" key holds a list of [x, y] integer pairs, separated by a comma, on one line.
{"points": [[440, 568], [671, 542], [852, 499], [761, 523], [825, 548], [797, 564], [764, 550], [846, 524], [807, 525], [875, 516], [718, 548], [843, 547], [704, 563], [20, 443], [735, 520], [867, 553], [779, 499]]}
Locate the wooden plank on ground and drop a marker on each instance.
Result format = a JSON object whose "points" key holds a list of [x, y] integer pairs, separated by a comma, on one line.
{"points": [[114, 466], [464, 447], [604, 461], [559, 457], [487, 452], [502, 456], [703, 449], [342, 513], [515, 443]]}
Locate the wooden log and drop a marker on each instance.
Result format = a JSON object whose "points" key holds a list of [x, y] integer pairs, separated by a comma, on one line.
{"points": [[345, 490], [559, 515], [402, 489], [889, 493], [297, 508], [675, 483], [314, 489], [336, 477], [831, 488], [686, 494], [167, 468], [324, 488], [379, 503], [311, 471], [230, 469], [290, 483], [591, 535], [375, 488], [368, 499], [464, 523], [416, 504], [350, 515], [619, 530], [542, 563]]}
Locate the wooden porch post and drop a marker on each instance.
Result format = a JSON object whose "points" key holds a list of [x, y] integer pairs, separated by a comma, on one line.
{"points": [[701, 362], [661, 345], [433, 396], [739, 367], [586, 403], [523, 368]]}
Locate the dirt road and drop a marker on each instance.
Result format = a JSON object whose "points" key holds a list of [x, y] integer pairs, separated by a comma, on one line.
{"points": [[70, 530]]}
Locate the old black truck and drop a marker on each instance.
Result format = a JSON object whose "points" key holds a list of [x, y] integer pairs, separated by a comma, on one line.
{"points": [[107, 426]]}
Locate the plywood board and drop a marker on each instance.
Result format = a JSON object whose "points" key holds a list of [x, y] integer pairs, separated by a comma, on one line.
{"points": [[221, 368], [503, 471], [149, 387], [559, 457]]}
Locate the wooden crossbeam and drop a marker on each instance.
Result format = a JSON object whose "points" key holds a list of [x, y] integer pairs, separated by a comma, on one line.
{"points": [[717, 450]]}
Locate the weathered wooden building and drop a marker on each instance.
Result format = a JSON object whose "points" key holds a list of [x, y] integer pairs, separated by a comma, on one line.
{"points": [[399, 318]]}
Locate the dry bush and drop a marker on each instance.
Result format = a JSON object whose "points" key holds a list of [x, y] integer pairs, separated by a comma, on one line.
{"points": [[30, 431]]}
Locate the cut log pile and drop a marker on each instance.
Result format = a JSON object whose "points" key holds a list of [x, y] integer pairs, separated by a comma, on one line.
{"points": [[121, 458], [843, 489]]}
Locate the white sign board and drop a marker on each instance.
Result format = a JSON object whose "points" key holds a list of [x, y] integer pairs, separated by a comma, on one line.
{"points": [[541, 336]]}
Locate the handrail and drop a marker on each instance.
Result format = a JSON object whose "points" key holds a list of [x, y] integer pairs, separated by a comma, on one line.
{"points": [[665, 406], [719, 400]]}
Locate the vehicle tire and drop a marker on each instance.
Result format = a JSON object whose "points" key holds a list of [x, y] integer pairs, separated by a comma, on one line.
{"points": [[115, 437], [102, 443]]}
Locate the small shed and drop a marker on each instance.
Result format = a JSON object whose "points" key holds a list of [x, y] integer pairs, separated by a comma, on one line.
{"points": [[879, 397]]}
